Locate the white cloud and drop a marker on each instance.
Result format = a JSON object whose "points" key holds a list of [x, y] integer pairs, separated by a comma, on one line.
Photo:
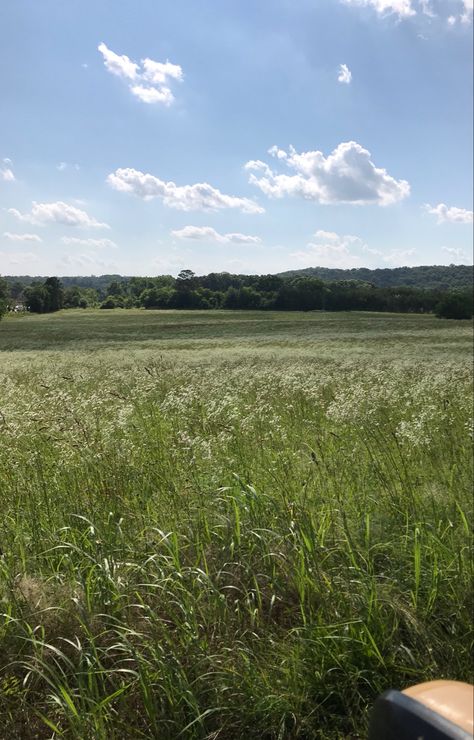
{"points": [[98, 243], [152, 94], [345, 74], [88, 261], [24, 258], [148, 81], [427, 9], [409, 8], [200, 196], [398, 257], [22, 237], [59, 213], [347, 175], [450, 214], [329, 249], [158, 72], [402, 8], [209, 234], [465, 14], [66, 165], [457, 253], [118, 65], [6, 172]]}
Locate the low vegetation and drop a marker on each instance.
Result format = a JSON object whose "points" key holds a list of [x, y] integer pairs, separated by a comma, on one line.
{"points": [[229, 524]]}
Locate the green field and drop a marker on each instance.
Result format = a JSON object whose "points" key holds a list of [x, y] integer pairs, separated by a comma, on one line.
{"points": [[230, 524]]}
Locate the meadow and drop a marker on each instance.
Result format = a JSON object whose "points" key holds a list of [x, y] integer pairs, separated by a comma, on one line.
{"points": [[230, 524]]}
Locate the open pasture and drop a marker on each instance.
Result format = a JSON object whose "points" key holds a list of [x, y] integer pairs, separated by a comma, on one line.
{"points": [[229, 524]]}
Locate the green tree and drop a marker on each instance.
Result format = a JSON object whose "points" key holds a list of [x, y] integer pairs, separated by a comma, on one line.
{"points": [[55, 293], [455, 304], [3, 297]]}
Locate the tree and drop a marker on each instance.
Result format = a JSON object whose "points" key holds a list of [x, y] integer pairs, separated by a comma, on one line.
{"points": [[3, 297], [45, 297], [455, 304], [55, 293]]}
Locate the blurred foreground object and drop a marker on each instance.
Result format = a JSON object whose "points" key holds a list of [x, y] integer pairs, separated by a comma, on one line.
{"points": [[435, 710]]}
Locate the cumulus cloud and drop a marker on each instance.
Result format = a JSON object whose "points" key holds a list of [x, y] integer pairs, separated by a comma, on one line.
{"points": [[448, 214], [345, 74], [98, 243], [402, 8], [329, 249], [6, 172], [119, 65], [57, 213], [153, 94], [207, 233], [409, 8], [427, 9], [22, 237], [149, 81], [200, 196], [347, 175], [458, 254], [465, 14]]}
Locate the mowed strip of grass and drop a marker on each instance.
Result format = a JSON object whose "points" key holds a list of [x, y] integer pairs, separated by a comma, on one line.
{"points": [[248, 526]]}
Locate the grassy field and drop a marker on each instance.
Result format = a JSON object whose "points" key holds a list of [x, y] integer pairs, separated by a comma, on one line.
{"points": [[229, 524]]}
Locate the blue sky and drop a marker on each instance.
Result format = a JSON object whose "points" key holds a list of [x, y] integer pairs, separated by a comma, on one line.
{"points": [[251, 136]]}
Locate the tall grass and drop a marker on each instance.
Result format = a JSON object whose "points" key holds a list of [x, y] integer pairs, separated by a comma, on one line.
{"points": [[229, 548]]}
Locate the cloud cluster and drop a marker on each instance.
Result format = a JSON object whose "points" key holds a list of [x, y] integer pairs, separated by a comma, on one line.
{"points": [[149, 81], [451, 214], [345, 74], [207, 233], [408, 8], [402, 8], [21, 237], [57, 213], [329, 249], [198, 197], [89, 261], [465, 15], [98, 243], [347, 175], [458, 254]]}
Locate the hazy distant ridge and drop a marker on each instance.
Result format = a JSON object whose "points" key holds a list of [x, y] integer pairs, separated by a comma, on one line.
{"points": [[424, 276]]}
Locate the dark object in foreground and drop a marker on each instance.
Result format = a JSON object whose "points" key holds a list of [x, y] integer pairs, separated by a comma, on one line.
{"points": [[436, 710]]}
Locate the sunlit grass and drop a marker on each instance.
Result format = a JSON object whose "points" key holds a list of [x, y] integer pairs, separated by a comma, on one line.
{"points": [[247, 529]]}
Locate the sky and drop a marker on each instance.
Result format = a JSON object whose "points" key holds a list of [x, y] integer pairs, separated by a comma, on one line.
{"points": [[142, 137]]}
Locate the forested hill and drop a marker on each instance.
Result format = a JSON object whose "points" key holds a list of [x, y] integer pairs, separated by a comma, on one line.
{"points": [[425, 276]]}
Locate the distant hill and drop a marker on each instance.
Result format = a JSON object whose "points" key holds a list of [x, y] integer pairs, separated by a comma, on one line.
{"points": [[98, 282], [425, 276]]}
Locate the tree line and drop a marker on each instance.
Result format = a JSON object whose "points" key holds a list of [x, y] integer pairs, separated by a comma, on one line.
{"points": [[239, 292]]}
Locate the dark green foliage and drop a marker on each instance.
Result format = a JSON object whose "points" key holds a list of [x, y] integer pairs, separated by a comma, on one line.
{"points": [[44, 297], [3, 296], [424, 276], [455, 305], [110, 302], [315, 289]]}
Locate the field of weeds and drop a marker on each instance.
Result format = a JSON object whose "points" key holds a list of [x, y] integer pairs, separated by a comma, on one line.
{"points": [[229, 525]]}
